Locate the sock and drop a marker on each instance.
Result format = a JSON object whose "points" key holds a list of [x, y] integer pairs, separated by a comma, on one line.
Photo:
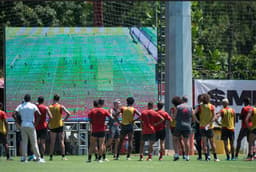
{"points": [[141, 156], [117, 155], [96, 156], [227, 156], [183, 154], [206, 156], [99, 157], [63, 155], [89, 157], [42, 156], [232, 155], [215, 155], [7, 155], [150, 156], [104, 156], [128, 155], [200, 155], [50, 156], [161, 155]]}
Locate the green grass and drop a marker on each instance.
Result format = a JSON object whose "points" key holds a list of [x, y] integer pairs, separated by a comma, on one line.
{"points": [[77, 164]]}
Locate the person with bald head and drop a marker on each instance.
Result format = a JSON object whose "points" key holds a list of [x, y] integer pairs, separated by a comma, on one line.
{"points": [[228, 118]]}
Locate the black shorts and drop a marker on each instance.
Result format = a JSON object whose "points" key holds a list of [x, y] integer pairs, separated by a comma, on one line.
{"points": [[42, 134], [244, 132], [126, 129], [184, 133], [98, 134], [227, 134], [160, 135], [206, 133], [3, 138], [149, 137], [253, 131], [57, 130]]}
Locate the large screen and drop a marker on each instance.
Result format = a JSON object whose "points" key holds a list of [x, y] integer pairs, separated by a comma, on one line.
{"points": [[80, 64]]}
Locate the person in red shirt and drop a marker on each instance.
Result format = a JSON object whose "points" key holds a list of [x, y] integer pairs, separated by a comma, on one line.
{"points": [[149, 120], [160, 129], [244, 131], [4, 131], [97, 117], [41, 127]]}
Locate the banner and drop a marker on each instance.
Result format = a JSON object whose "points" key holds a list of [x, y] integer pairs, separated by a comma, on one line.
{"points": [[234, 90]]}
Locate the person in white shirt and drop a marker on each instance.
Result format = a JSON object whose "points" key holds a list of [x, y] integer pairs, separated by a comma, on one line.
{"points": [[27, 110]]}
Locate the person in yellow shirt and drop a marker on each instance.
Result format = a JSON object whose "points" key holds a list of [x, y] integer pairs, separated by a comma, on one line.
{"points": [[206, 117], [252, 137], [228, 118], [128, 113], [4, 131], [56, 125]]}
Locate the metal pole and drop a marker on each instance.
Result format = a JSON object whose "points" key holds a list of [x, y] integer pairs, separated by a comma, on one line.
{"points": [[178, 53]]}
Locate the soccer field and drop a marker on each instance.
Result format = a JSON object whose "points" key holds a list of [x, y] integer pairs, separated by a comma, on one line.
{"points": [[79, 64], [77, 164]]}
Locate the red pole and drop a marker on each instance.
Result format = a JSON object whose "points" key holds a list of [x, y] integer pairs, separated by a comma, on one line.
{"points": [[98, 13]]}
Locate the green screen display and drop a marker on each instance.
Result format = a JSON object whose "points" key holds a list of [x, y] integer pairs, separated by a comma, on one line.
{"points": [[80, 64]]}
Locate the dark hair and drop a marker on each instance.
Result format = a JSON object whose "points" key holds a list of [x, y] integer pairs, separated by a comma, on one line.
{"points": [[185, 99], [100, 102], [95, 103], [205, 98], [150, 104], [176, 100], [199, 97], [130, 100], [160, 105], [247, 101], [56, 97], [27, 98], [40, 99]]}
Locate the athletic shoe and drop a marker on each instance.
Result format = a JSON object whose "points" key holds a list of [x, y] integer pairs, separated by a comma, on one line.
{"points": [[187, 158], [160, 158], [228, 159], [100, 161], [149, 159], [249, 159], [199, 159], [64, 158], [106, 160], [31, 157], [88, 161], [39, 160], [176, 158], [23, 159], [116, 158], [50, 159], [128, 158], [233, 159], [216, 160], [9, 159], [141, 159]]}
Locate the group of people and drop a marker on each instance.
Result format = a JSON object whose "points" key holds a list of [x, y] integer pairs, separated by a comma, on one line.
{"points": [[182, 120]]}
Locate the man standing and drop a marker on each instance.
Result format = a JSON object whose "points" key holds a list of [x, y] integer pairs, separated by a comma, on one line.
{"points": [[244, 131], [206, 117], [4, 131], [128, 113], [28, 132], [114, 126], [183, 126], [160, 129], [97, 117], [149, 119], [252, 137], [41, 128], [228, 119], [56, 125]]}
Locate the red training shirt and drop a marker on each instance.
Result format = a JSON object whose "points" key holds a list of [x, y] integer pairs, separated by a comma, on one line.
{"points": [[42, 123], [148, 118], [244, 112], [166, 117], [97, 117]]}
